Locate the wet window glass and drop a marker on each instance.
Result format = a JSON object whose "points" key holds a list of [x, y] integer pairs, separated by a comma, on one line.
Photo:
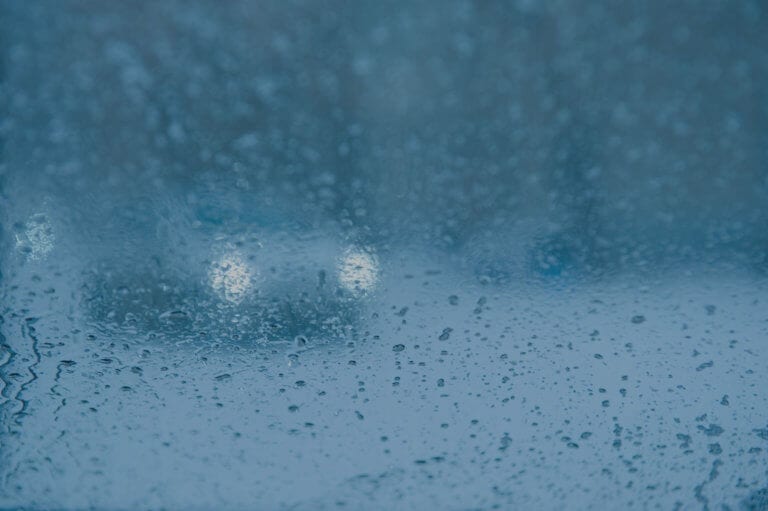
{"points": [[383, 255]]}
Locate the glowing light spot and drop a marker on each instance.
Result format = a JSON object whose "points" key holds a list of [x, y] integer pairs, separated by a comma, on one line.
{"points": [[38, 239], [358, 271], [231, 278]]}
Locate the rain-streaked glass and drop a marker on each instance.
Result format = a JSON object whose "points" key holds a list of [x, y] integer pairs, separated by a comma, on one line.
{"points": [[383, 255]]}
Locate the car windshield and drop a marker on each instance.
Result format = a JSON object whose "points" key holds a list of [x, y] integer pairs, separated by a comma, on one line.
{"points": [[428, 255]]}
